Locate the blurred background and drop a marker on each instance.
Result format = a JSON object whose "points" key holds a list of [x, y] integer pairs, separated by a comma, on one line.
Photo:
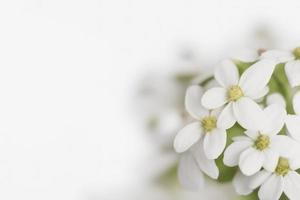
{"points": [[82, 81]]}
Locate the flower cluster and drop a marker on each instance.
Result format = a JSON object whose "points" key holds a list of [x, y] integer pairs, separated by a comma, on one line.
{"points": [[260, 99]]}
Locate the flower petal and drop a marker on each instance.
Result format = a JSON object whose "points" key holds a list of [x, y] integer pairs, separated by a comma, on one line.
{"points": [[292, 71], [260, 94], [251, 161], [226, 119], [241, 184], [285, 146], [278, 56], [256, 77], [296, 103], [245, 55], [271, 160], [209, 167], [292, 185], [214, 143], [248, 114], [259, 178], [272, 188], [189, 174], [187, 136], [242, 138], [227, 74], [193, 102], [276, 115], [276, 98], [293, 126], [214, 98], [233, 152], [252, 134]]}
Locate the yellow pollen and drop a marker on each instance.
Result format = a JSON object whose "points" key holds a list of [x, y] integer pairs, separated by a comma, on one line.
{"points": [[235, 93], [209, 123], [262, 142], [296, 53], [283, 167]]}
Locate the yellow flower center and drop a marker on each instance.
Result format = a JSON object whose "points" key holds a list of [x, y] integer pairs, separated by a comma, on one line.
{"points": [[262, 142], [235, 93], [296, 53], [283, 167], [209, 123]]}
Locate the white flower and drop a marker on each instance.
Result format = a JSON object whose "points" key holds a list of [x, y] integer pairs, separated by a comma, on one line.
{"points": [[283, 178], [238, 94], [293, 121], [206, 127], [276, 98], [261, 147], [292, 66], [193, 163]]}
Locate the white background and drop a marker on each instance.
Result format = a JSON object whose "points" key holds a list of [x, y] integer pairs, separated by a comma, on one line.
{"points": [[68, 70]]}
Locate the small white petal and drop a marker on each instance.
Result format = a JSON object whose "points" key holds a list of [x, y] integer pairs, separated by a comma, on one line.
{"points": [[256, 77], [226, 119], [245, 55], [292, 71], [189, 174], [251, 161], [227, 74], [296, 103], [272, 188], [284, 145], [241, 184], [233, 152], [209, 167], [248, 114], [276, 115], [193, 102], [260, 94], [187, 136], [293, 126], [278, 56], [242, 138], [214, 143], [214, 98], [292, 185], [252, 134], [276, 98], [259, 178], [271, 160]]}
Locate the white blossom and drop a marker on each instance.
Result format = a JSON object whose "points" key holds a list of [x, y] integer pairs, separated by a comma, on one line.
{"points": [[293, 121]]}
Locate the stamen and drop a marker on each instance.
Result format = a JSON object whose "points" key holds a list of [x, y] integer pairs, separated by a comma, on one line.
{"points": [[235, 93], [283, 167], [209, 123], [262, 142]]}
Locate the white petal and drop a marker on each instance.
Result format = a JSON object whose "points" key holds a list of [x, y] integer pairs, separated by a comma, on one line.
{"points": [[272, 188], [256, 77], [187, 136], [245, 55], [251, 161], [233, 152], [292, 185], [226, 119], [296, 103], [278, 56], [209, 167], [189, 174], [214, 143], [214, 98], [276, 98], [276, 115], [248, 114], [252, 134], [193, 102], [260, 94], [241, 184], [259, 178], [271, 160], [227, 74], [284, 145], [293, 126], [292, 71], [242, 138]]}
